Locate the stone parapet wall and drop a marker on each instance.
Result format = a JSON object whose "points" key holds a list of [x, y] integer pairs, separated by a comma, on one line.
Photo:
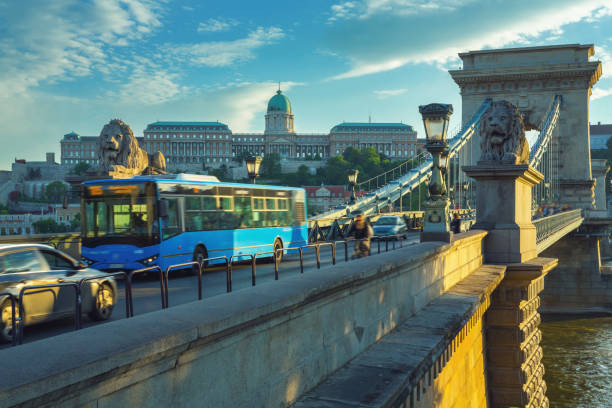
{"points": [[261, 347], [435, 359]]}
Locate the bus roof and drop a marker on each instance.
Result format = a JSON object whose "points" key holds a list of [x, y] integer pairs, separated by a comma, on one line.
{"points": [[171, 178]]}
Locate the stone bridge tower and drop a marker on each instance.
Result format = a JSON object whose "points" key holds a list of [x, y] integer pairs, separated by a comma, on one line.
{"points": [[530, 78]]}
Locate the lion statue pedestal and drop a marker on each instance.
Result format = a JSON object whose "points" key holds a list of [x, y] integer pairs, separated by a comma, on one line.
{"points": [[119, 155], [504, 182]]}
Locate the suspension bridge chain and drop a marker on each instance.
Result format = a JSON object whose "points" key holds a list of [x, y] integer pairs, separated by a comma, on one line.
{"points": [[393, 190], [544, 157]]}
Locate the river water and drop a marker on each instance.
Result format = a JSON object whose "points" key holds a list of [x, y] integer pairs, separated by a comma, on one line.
{"points": [[578, 360]]}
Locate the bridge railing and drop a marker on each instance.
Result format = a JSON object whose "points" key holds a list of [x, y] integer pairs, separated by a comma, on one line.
{"points": [[548, 226]]}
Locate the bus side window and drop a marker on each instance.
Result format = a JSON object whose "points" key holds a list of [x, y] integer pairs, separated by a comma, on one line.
{"points": [[170, 225]]}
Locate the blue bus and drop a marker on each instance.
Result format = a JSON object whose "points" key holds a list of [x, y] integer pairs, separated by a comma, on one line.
{"points": [[129, 224]]}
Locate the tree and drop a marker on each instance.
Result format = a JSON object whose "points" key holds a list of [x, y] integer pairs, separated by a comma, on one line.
{"points": [[55, 191], [48, 225], [75, 223], [270, 165], [80, 168], [242, 156]]}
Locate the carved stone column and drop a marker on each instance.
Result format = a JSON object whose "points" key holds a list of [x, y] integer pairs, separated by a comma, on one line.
{"points": [[514, 355]]}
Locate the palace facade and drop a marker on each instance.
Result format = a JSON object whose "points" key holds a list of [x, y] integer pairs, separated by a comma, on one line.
{"points": [[191, 146]]}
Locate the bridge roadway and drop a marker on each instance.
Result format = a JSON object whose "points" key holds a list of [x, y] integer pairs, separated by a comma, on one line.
{"points": [[182, 286]]}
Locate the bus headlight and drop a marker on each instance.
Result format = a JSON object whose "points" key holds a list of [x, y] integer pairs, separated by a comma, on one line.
{"points": [[149, 260]]}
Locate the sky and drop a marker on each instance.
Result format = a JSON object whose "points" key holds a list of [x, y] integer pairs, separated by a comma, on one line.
{"points": [[72, 65]]}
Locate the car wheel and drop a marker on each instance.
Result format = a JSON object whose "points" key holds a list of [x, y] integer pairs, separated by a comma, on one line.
{"points": [[199, 256], [103, 302], [278, 245], [6, 323]]}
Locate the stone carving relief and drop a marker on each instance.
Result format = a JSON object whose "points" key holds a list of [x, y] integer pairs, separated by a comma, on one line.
{"points": [[502, 135], [120, 156]]}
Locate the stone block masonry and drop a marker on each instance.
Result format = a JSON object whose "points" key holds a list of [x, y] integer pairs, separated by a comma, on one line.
{"points": [[514, 356]]}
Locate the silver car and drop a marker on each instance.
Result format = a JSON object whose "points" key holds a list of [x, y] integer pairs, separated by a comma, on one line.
{"points": [[389, 227], [29, 265]]}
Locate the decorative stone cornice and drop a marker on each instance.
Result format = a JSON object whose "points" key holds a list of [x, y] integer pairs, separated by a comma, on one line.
{"points": [[589, 70]]}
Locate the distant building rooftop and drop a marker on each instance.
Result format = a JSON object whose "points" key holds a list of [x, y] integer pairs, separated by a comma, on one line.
{"points": [[206, 125], [346, 126]]}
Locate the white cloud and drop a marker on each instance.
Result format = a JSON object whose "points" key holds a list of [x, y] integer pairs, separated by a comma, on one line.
{"points": [[603, 54], [151, 88], [386, 93], [244, 102], [599, 93], [366, 8], [213, 25], [224, 53], [62, 39], [388, 34]]}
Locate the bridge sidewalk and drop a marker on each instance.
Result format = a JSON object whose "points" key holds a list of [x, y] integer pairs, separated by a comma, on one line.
{"points": [[401, 367]]}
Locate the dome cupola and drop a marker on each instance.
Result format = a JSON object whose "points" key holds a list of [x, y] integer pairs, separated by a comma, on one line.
{"points": [[279, 103]]}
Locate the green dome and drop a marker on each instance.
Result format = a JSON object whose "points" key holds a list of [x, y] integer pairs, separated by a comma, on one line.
{"points": [[279, 102]]}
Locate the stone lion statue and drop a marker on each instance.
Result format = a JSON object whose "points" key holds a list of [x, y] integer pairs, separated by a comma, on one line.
{"points": [[120, 155], [502, 135]]}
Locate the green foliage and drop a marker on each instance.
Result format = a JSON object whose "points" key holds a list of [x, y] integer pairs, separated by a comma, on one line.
{"points": [[75, 224], [270, 166], [367, 161], [80, 168], [55, 191], [242, 156], [48, 225], [221, 173]]}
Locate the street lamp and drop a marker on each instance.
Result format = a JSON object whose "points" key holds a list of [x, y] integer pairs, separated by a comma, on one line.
{"points": [[436, 223], [352, 179], [252, 164]]}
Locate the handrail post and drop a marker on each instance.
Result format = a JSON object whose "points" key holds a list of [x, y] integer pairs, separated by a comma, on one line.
{"points": [[253, 269], [345, 250], [318, 256], [200, 266], [78, 306], [333, 245], [228, 276], [378, 245], [386, 245], [275, 258], [301, 260]]}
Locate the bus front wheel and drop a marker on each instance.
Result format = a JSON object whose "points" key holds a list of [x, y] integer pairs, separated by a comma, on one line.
{"points": [[199, 256], [278, 255]]}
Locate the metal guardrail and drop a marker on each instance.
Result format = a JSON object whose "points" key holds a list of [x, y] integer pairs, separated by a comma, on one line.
{"points": [[17, 310], [548, 226], [13, 316]]}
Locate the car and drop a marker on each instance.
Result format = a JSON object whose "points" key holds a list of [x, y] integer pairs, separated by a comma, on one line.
{"points": [[389, 226], [26, 265]]}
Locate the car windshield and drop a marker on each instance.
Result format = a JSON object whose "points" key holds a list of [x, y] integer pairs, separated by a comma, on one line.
{"points": [[386, 221]]}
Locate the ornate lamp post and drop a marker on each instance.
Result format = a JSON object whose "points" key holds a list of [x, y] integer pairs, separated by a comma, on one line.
{"points": [[253, 163], [352, 179], [436, 223]]}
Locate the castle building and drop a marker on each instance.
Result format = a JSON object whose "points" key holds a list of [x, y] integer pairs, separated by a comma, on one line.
{"points": [[191, 146]]}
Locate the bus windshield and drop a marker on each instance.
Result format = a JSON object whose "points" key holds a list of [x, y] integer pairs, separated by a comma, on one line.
{"points": [[120, 218]]}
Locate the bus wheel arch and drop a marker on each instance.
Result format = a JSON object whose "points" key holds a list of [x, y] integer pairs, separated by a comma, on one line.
{"points": [[199, 254], [278, 244]]}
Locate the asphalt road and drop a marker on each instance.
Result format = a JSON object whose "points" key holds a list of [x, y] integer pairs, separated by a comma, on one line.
{"points": [[183, 287]]}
